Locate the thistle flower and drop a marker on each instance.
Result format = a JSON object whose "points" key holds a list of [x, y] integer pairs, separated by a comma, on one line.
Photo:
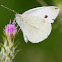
{"points": [[7, 53], [10, 30]]}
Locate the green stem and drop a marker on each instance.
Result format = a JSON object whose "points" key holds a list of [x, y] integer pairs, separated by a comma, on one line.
{"points": [[7, 51]]}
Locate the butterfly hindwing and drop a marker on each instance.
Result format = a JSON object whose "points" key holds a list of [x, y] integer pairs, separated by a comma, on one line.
{"points": [[36, 29]]}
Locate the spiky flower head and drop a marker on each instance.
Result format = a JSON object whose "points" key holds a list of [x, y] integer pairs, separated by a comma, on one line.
{"points": [[10, 30], [8, 52]]}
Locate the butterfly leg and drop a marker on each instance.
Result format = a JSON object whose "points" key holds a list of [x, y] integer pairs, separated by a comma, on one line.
{"points": [[25, 38]]}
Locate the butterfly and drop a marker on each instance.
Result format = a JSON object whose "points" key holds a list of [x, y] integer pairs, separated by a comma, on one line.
{"points": [[36, 23]]}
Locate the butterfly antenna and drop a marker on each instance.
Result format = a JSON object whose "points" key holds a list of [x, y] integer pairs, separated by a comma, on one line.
{"points": [[8, 8]]}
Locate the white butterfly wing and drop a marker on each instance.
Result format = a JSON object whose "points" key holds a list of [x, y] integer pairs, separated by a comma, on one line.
{"points": [[47, 13], [36, 29]]}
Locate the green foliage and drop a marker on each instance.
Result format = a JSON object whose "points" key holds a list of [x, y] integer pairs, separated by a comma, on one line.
{"points": [[50, 50]]}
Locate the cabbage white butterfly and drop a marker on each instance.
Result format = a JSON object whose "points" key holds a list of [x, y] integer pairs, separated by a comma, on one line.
{"points": [[36, 23]]}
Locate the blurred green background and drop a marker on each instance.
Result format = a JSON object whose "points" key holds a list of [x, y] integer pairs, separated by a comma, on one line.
{"points": [[50, 50]]}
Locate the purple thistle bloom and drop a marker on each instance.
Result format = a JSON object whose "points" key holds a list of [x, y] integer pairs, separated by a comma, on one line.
{"points": [[10, 29]]}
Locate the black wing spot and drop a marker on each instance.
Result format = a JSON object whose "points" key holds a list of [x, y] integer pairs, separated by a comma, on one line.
{"points": [[56, 8], [45, 16]]}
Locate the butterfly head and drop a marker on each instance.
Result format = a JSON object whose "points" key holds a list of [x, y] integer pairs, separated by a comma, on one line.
{"points": [[18, 18]]}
